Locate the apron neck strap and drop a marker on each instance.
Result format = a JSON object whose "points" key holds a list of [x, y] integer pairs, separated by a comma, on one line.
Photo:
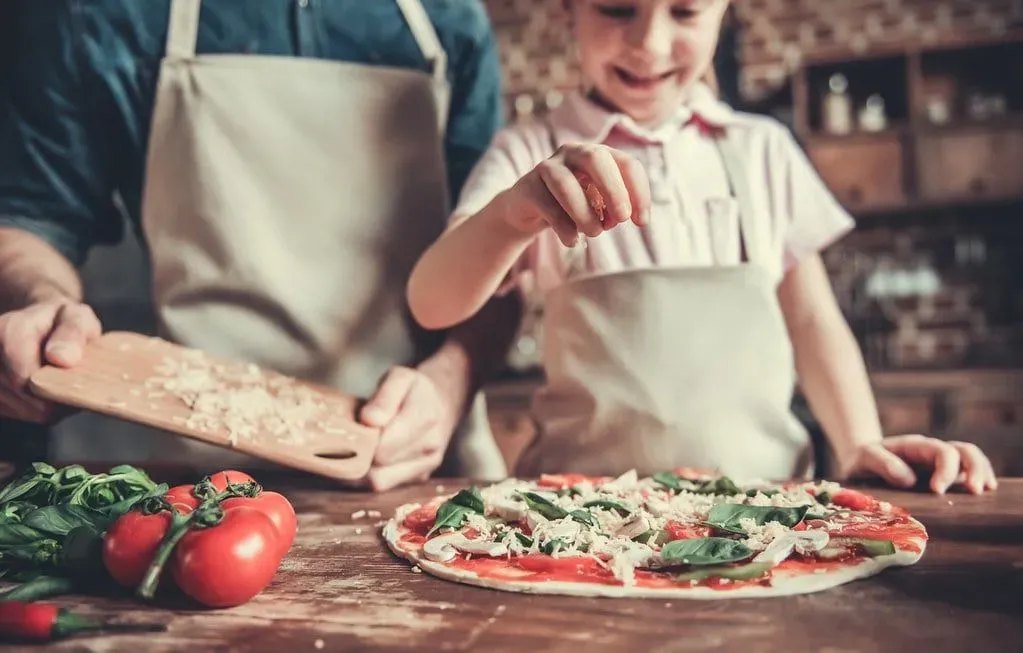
{"points": [[735, 170], [183, 28], [426, 37]]}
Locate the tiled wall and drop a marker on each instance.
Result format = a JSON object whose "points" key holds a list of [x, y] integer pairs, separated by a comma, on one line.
{"points": [[936, 290]]}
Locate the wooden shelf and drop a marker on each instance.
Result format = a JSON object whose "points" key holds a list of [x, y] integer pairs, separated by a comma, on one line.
{"points": [[914, 164]]}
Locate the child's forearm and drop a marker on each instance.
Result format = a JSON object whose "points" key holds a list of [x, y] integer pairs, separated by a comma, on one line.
{"points": [[831, 369], [835, 381], [461, 271]]}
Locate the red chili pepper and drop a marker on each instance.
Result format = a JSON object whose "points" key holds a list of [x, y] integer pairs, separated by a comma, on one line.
{"points": [[43, 622]]}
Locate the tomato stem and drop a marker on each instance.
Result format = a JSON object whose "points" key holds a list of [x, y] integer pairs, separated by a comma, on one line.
{"points": [[180, 525], [208, 514]]}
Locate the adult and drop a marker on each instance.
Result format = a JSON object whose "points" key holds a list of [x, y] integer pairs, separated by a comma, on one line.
{"points": [[284, 162]]}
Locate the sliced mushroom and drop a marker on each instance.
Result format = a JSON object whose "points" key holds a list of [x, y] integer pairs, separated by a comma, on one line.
{"points": [[440, 548], [781, 547], [633, 527], [508, 510], [444, 548]]}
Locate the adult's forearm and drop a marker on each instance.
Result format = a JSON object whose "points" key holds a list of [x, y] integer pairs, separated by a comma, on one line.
{"points": [[33, 271], [474, 352]]}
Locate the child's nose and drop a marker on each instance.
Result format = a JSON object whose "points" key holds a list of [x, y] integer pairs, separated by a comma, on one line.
{"points": [[652, 34]]}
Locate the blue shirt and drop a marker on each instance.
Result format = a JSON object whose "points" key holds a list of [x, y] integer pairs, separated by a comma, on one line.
{"points": [[80, 84]]}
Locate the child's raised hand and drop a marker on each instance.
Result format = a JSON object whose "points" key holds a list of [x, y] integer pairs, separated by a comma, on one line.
{"points": [[952, 463], [585, 189]]}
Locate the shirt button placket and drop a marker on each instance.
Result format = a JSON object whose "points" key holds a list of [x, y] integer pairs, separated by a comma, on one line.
{"points": [[660, 180]]}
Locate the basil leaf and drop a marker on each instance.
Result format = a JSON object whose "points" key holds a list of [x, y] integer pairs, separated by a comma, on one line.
{"points": [[823, 498], [705, 551], [114, 510], [766, 492], [524, 539], [748, 571], [449, 515], [584, 517], [453, 512], [470, 498], [59, 520], [608, 505], [550, 546], [719, 485], [543, 506], [726, 516], [15, 534]]}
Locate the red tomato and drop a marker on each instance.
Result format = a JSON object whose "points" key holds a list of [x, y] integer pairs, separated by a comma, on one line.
{"points": [[855, 500], [228, 564], [421, 520], [278, 509], [221, 479], [131, 543], [181, 498], [568, 567], [560, 481], [678, 531]]}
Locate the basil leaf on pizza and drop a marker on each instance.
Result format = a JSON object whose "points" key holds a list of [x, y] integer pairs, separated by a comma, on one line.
{"points": [[544, 506], [730, 516], [720, 485], [705, 551], [608, 505], [551, 511], [453, 512]]}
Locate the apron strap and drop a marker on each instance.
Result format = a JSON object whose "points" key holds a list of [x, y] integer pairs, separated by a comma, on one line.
{"points": [[735, 170], [426, 37], [183, 28]]}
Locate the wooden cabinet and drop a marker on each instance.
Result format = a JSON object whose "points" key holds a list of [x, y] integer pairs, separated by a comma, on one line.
{"points": [[971, 163], [863, 173]]}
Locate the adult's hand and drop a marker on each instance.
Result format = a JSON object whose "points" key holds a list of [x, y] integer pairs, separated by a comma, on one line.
{"points": [[417, 424], [52, 332]]}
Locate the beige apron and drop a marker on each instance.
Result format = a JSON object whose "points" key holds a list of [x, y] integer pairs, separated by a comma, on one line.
{"points": [[286, 202], [663, 368]]}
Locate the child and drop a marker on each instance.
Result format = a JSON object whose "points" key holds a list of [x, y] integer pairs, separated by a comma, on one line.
{"points": [[674, 334]]}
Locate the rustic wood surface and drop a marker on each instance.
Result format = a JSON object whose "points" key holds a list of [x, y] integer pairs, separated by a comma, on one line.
{"points": [[340, 589]]}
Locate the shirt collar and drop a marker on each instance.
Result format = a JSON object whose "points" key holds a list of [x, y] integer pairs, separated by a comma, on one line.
{"points": [[586, 121]]}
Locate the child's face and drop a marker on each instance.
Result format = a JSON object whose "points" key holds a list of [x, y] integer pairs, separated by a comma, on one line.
{"points": [[642, 56]]}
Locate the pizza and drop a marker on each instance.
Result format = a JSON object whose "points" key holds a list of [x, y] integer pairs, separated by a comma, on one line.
{"points": [[682, 533]]}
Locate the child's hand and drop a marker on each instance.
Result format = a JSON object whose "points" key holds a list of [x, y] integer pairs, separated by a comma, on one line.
{"points": [[581, 188], [952, 463]]}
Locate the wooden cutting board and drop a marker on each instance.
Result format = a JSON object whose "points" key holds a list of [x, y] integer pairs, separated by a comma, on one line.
{"points": [[222, 402]]}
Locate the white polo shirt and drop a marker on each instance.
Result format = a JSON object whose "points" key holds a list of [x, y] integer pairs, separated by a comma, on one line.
{"points": [[694, 218]]}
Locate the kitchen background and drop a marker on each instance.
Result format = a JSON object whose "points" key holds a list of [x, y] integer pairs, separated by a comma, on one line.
{"points": [[912, 111]]}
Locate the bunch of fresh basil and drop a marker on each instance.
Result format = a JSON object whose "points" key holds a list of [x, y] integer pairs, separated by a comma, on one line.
{"points": [[52, 523]]}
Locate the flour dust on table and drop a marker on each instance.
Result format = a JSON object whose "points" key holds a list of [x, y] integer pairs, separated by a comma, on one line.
{"points": [[682, 534]]}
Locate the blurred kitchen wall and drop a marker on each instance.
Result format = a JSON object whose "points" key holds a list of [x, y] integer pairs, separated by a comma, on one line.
{"points": [[912, 112]]}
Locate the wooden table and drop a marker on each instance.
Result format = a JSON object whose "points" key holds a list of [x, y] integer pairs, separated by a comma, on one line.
{"points": [[340, 589]]}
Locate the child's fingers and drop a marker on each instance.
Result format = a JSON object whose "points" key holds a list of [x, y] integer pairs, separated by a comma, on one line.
{"points": [[638, 184], [565, 188], [979, 474], [602, 169], [946, 464], [940, 456], [888, 466], [555, 215]]}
